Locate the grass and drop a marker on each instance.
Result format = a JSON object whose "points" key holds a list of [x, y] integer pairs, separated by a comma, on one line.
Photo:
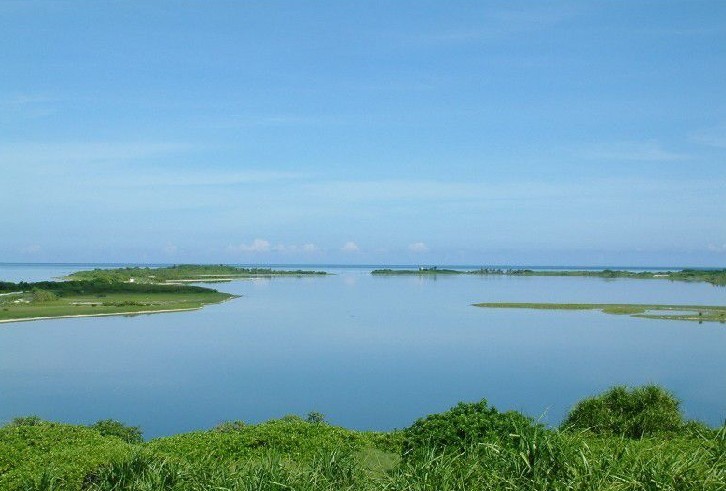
{"points": [[699, 313], [23, 306], [476, 448]]}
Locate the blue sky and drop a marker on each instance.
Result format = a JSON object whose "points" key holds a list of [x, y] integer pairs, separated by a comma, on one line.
{"points": [[577, 133]]}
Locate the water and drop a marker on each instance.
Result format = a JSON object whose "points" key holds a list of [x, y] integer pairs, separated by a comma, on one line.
{"points": [[368, 352]]}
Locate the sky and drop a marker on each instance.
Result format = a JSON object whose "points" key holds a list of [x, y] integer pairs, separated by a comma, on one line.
{"points": [[363, 132]]}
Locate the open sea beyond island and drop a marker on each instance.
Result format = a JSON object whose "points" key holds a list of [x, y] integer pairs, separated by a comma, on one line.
{"points": [[370, 352]]}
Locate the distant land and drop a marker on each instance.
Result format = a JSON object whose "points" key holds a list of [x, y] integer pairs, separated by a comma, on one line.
{"points": [[124, 291], [699, 313], [713, 276]]}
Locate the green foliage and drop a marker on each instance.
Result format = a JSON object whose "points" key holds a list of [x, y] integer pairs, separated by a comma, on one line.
{"points": [[40, 295], [509, 453], [48, 455], [111, 427], [465, 425], [631, 413], [230, 426], [315, 417], [26, 421]]}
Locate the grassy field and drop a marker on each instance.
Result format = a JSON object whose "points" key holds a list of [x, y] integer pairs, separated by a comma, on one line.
{"points": [[52, 299], [624, 439], [699, 313], [110, 304]]}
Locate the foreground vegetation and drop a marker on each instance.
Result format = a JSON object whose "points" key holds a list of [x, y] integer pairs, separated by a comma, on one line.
{"points": [[53, 299], [699, 313], [713, 276], [198, 273], [624, 439]]}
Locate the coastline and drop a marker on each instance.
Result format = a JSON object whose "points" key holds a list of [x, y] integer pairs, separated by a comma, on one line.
{"points": [[104, 314]]}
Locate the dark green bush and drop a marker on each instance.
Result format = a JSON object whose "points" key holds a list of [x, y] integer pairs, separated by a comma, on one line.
{"points": [[465, 425], [111, 427], [26, 421], [230, 426], [315, 417], [632, 413]]}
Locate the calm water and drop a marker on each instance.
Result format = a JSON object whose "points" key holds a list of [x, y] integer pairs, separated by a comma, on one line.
{"points": [[369, 352]]}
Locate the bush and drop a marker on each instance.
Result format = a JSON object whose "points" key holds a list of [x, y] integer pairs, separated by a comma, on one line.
{"points": [[315, 417], [632, 413], [111, 427], [40, 295], [463, 426], [230, 426], [26, 421]]}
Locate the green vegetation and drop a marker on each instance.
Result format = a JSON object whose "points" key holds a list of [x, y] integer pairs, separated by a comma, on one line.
{"points": [[699, 313], [111, 427], [622, 440], [713, 276], [197, 273], [50, 299], [637, 413]]}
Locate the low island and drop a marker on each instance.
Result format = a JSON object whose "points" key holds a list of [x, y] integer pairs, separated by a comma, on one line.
{"points": [[713, 276], [124, 291], [699, 313]]}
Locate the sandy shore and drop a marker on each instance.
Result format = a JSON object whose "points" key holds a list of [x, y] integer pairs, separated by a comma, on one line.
{"points": [[27, 319]]}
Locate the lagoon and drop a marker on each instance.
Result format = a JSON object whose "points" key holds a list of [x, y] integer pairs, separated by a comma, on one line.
{"points": [[368, 352]]}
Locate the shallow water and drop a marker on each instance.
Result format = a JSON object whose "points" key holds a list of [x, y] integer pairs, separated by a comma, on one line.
{"points": [[368, 352]]}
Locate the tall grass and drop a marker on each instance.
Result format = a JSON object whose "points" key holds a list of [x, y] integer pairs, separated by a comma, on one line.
{"points": [[470, 447]]}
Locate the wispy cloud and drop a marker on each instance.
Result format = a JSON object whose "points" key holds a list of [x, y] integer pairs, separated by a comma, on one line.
{"points": [[264, 246], [257, 245], [491, 24], [418, 247], [712, 137], [350, 246], [79, 153], [110, 163], [648, 151]]}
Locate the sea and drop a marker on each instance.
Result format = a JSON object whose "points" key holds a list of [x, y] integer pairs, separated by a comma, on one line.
{"points": [[369, 352]]}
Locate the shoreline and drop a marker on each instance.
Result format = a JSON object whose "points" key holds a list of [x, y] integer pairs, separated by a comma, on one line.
{"points": [[104, 314]]}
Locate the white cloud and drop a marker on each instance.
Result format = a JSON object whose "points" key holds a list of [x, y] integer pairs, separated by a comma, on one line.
{"points": [[257, 245], [418, 247], [717, 248], [350, 246], [309, 248], [291, 248], [261, 245]]}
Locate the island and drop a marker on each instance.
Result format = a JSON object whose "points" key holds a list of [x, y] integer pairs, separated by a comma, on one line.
{"points": [[714, 276], [124, 291], [699, 313], [186, 273]]}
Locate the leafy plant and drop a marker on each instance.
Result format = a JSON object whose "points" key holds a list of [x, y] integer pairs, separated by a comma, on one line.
{"points": [[111, 427], [464, 425], [632, 413]]}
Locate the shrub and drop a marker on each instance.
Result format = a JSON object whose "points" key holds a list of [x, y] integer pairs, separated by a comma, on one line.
{"points": [[111, 427], [315, 417], [26, 421], [40, 295], [230, 426], [465, 425], [632, 413]]}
